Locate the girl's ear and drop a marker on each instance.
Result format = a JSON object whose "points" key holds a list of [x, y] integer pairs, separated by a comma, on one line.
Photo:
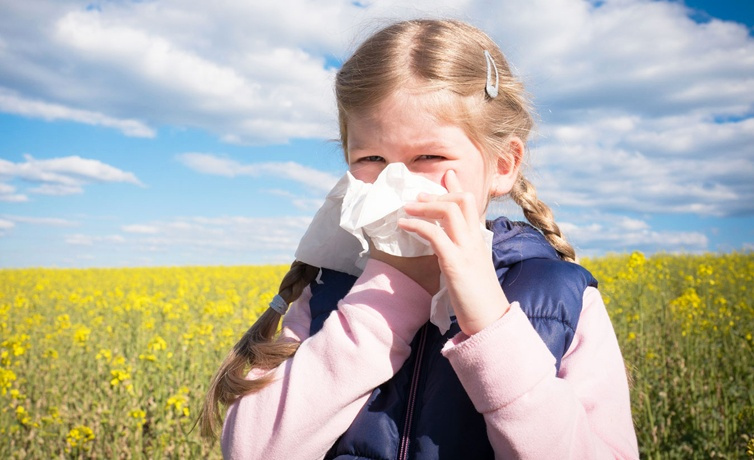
{"points": [[506, 167]]}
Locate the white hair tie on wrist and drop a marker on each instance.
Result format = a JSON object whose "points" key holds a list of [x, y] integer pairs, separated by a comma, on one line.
{"points": [[279, 304]]}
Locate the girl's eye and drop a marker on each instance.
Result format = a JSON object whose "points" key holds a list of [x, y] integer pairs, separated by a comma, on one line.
{"points": [[430, 157], [370, 159]]}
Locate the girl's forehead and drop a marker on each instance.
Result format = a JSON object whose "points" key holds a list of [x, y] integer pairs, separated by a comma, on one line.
{"points": [[438, 107]]}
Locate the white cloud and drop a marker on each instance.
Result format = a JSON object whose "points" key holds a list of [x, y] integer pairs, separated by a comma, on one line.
{"points": [[304, 203], [45, 221], [57, 189], [258, 92], [5, 226], [248, 72], [60, 176], [80, 239], [645, 57], [222, 166], [202, 240], [141, 229], [678, 164], [8, 194], [8, 222], [159, 60], [12, 103], [602, 233]]}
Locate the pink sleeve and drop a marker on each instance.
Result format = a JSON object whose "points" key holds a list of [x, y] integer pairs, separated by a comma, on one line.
{"points": [[317, 393], [584, 412]]}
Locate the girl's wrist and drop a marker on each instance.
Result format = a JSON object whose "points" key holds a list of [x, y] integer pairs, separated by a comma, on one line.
{"points": [[471, 326], [480, 306]]}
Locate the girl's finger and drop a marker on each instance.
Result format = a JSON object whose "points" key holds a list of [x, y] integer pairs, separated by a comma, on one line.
{"points": [[435, 235], [451, 182], [465, 202], [448, 213], [464, 199]]}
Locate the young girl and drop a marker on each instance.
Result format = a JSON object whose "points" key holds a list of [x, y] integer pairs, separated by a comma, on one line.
{"points": [[530, 366]]}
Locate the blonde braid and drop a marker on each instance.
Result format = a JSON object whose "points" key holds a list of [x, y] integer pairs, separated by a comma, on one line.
{"points": [[257, 349], [540, 216]]}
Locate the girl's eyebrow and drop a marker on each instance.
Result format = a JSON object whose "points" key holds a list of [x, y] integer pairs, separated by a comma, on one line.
{"points": [[356, 149], [431, 145], [421, 146]]}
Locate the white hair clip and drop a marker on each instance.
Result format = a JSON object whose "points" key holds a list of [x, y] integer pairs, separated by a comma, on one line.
{"points": [[490, 88], [279, 304]]}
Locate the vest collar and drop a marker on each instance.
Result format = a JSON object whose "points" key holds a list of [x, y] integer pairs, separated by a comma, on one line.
{"points": [[513, 242]]}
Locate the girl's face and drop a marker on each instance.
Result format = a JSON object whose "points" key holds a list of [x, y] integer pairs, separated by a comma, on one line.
{"points": [[401, 129]]}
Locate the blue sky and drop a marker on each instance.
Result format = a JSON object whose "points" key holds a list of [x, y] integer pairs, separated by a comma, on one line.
{"points": [[174, 132]]}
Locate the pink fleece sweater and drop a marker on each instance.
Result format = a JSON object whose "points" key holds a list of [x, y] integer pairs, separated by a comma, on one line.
{"points": [[583, 412]]}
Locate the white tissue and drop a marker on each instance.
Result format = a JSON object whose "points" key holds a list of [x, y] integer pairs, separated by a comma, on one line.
{"points": [[372, 210], [354, 211], [325, 244]]}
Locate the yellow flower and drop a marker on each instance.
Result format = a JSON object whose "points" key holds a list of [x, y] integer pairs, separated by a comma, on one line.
{"points": [[81, 336], [24, 418], [179, 402], [64, 322], [119, 375], [157, 344], [16, 344], [7, 377], [79, 437], [53, 416], [105, 355], [139, 415]]}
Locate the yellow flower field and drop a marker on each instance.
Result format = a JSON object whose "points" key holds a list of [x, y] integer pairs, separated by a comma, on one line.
{"points": [[685, 326], [113, 363]]}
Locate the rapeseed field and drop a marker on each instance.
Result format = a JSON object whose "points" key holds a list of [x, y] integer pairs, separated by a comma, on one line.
{"points": [[113, 363]]}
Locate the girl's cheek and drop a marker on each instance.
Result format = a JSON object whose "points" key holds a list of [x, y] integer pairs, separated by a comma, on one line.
{"points": [[365, 173]]}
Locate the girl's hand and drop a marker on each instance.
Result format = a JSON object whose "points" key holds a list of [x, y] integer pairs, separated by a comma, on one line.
{"points": [[462, 254]]}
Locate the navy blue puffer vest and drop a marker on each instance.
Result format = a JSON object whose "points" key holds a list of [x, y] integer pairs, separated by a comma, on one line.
{"points": [[423, 412]]}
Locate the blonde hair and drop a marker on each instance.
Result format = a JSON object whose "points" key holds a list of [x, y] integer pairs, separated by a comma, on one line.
{"points": [[256, 349], [446, 58], [440, 57]]}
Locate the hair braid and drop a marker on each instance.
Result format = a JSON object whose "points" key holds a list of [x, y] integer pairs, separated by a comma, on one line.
{"points": [[540, 215], [256, 349]]}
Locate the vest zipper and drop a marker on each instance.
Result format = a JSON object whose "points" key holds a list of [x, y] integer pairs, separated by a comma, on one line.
{"points": [[406, 436]]}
